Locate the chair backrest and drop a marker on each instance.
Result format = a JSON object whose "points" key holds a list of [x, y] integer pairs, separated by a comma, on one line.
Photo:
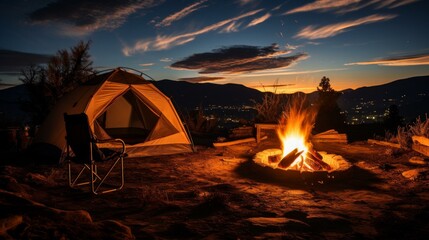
{"points": [[80, 138]]}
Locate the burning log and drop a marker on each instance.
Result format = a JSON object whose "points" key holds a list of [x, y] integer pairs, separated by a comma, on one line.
{"points": [[312, 164], [314, 156], [289, 158]]}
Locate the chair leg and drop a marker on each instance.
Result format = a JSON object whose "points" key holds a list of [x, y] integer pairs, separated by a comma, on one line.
{"points": [[73, 182], [95, 188]]}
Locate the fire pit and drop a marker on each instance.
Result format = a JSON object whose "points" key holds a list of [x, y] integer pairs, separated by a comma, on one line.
{"points": [[326, 162], [297, 152]]}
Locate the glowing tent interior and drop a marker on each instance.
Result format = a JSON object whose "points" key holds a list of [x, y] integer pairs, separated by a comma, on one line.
{"points": [[119, 104]]}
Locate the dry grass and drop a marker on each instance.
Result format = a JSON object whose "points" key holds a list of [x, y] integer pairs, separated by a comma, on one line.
{"points": [[271, 106], [404, 134], [403, 137], [420, 128]]}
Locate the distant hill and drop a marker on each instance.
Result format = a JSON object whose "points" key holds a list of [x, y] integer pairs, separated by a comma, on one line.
{"points": [[411, 95], [189, 95], [10, 104]]}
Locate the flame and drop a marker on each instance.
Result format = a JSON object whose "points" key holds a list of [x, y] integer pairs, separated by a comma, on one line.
{"points": [[295, 128]]}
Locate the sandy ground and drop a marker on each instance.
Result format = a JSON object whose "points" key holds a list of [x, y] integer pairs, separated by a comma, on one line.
{"points": [[219, 193]]}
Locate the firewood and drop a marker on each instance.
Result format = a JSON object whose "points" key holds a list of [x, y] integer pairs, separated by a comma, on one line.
{"points": [[421, 140], [313, 164], [314, 153], [383, 143], [319, 161], [289, 158]]}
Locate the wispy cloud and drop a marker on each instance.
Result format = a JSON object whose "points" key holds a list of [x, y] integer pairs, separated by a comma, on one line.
{"points": [[181, 14], [259, 20], [273, 85], [323, 5], [239, 59], [344, 6], [162, 42], [12, 62], [286, 72], [244, 2], [411, 60], [146, 64], [313, 32], [201, 79], [81, 17], [232, 27], [165, 59]]}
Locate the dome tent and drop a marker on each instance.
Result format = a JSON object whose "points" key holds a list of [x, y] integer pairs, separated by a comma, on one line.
{"points": [[119, 104]]}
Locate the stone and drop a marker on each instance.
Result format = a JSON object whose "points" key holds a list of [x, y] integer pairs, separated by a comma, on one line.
{"points": [[9, 223], [418, 160], [415, 174]]}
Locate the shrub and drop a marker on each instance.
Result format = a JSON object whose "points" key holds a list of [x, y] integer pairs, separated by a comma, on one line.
{"points": [[419, 127]]}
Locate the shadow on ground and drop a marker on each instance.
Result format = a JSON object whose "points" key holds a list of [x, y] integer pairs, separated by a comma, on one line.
{"points": [[352, 178]]}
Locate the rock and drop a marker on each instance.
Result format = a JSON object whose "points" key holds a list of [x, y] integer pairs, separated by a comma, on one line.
{"points": [[36, 178], [415, 174], [267, 222], [262, 221], [115, 230], [418, 160], [9, 223], [296, 214]]}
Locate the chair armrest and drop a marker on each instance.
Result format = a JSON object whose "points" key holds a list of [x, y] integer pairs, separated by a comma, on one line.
{"points": [[114, 140]]}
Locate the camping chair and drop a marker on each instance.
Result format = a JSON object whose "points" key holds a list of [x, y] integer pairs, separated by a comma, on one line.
{"points": [[83, 144]]}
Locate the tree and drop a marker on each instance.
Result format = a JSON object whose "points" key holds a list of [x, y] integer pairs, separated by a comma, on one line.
{"points": [[47, 84], [329, 113], [325, 85], [393, 119]]}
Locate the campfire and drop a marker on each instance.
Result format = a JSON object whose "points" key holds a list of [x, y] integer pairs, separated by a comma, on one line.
{"points": [[297, 152]]}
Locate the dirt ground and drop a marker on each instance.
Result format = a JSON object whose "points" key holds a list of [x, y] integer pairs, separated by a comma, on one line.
{"points": [[219, 193]]}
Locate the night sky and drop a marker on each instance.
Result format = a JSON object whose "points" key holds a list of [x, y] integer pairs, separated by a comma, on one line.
{"points": [[256, 43]]}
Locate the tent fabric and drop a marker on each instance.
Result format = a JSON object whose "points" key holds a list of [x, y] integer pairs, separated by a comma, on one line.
{"points": [[120, 102]]}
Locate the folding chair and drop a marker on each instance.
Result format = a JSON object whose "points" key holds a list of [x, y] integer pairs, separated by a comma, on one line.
{"points": [[82, 149]]}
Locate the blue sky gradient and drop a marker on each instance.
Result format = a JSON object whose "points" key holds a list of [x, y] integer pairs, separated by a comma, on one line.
{"points": [[353, 42]]}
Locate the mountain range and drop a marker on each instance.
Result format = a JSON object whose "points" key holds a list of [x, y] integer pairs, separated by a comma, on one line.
{"points": [[411, 95]]}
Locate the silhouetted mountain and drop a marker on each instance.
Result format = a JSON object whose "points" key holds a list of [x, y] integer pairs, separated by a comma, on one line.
{"points": [[10, 104], [189, 95], [411, 95]]}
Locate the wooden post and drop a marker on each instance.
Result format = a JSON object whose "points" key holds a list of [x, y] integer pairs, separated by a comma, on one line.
{"points": [[260, 126]]}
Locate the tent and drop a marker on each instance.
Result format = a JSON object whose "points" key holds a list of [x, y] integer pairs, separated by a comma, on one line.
{"points": [[119, 104]]}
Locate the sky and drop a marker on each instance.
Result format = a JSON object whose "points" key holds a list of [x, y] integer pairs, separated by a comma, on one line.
{"points": [[271, 45]]}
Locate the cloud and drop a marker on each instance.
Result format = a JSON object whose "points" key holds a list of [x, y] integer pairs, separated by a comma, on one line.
{"points": [[411, 60], [244, 2], [323, 5], [165, 59], [201, 79], [238, 59], [81, 17], [313, 32], [259, 20], [274, 85], [12, 62], [284, 72], [344, 6], [232, 27], [181, 14], [146, 64], [163, 42]]}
